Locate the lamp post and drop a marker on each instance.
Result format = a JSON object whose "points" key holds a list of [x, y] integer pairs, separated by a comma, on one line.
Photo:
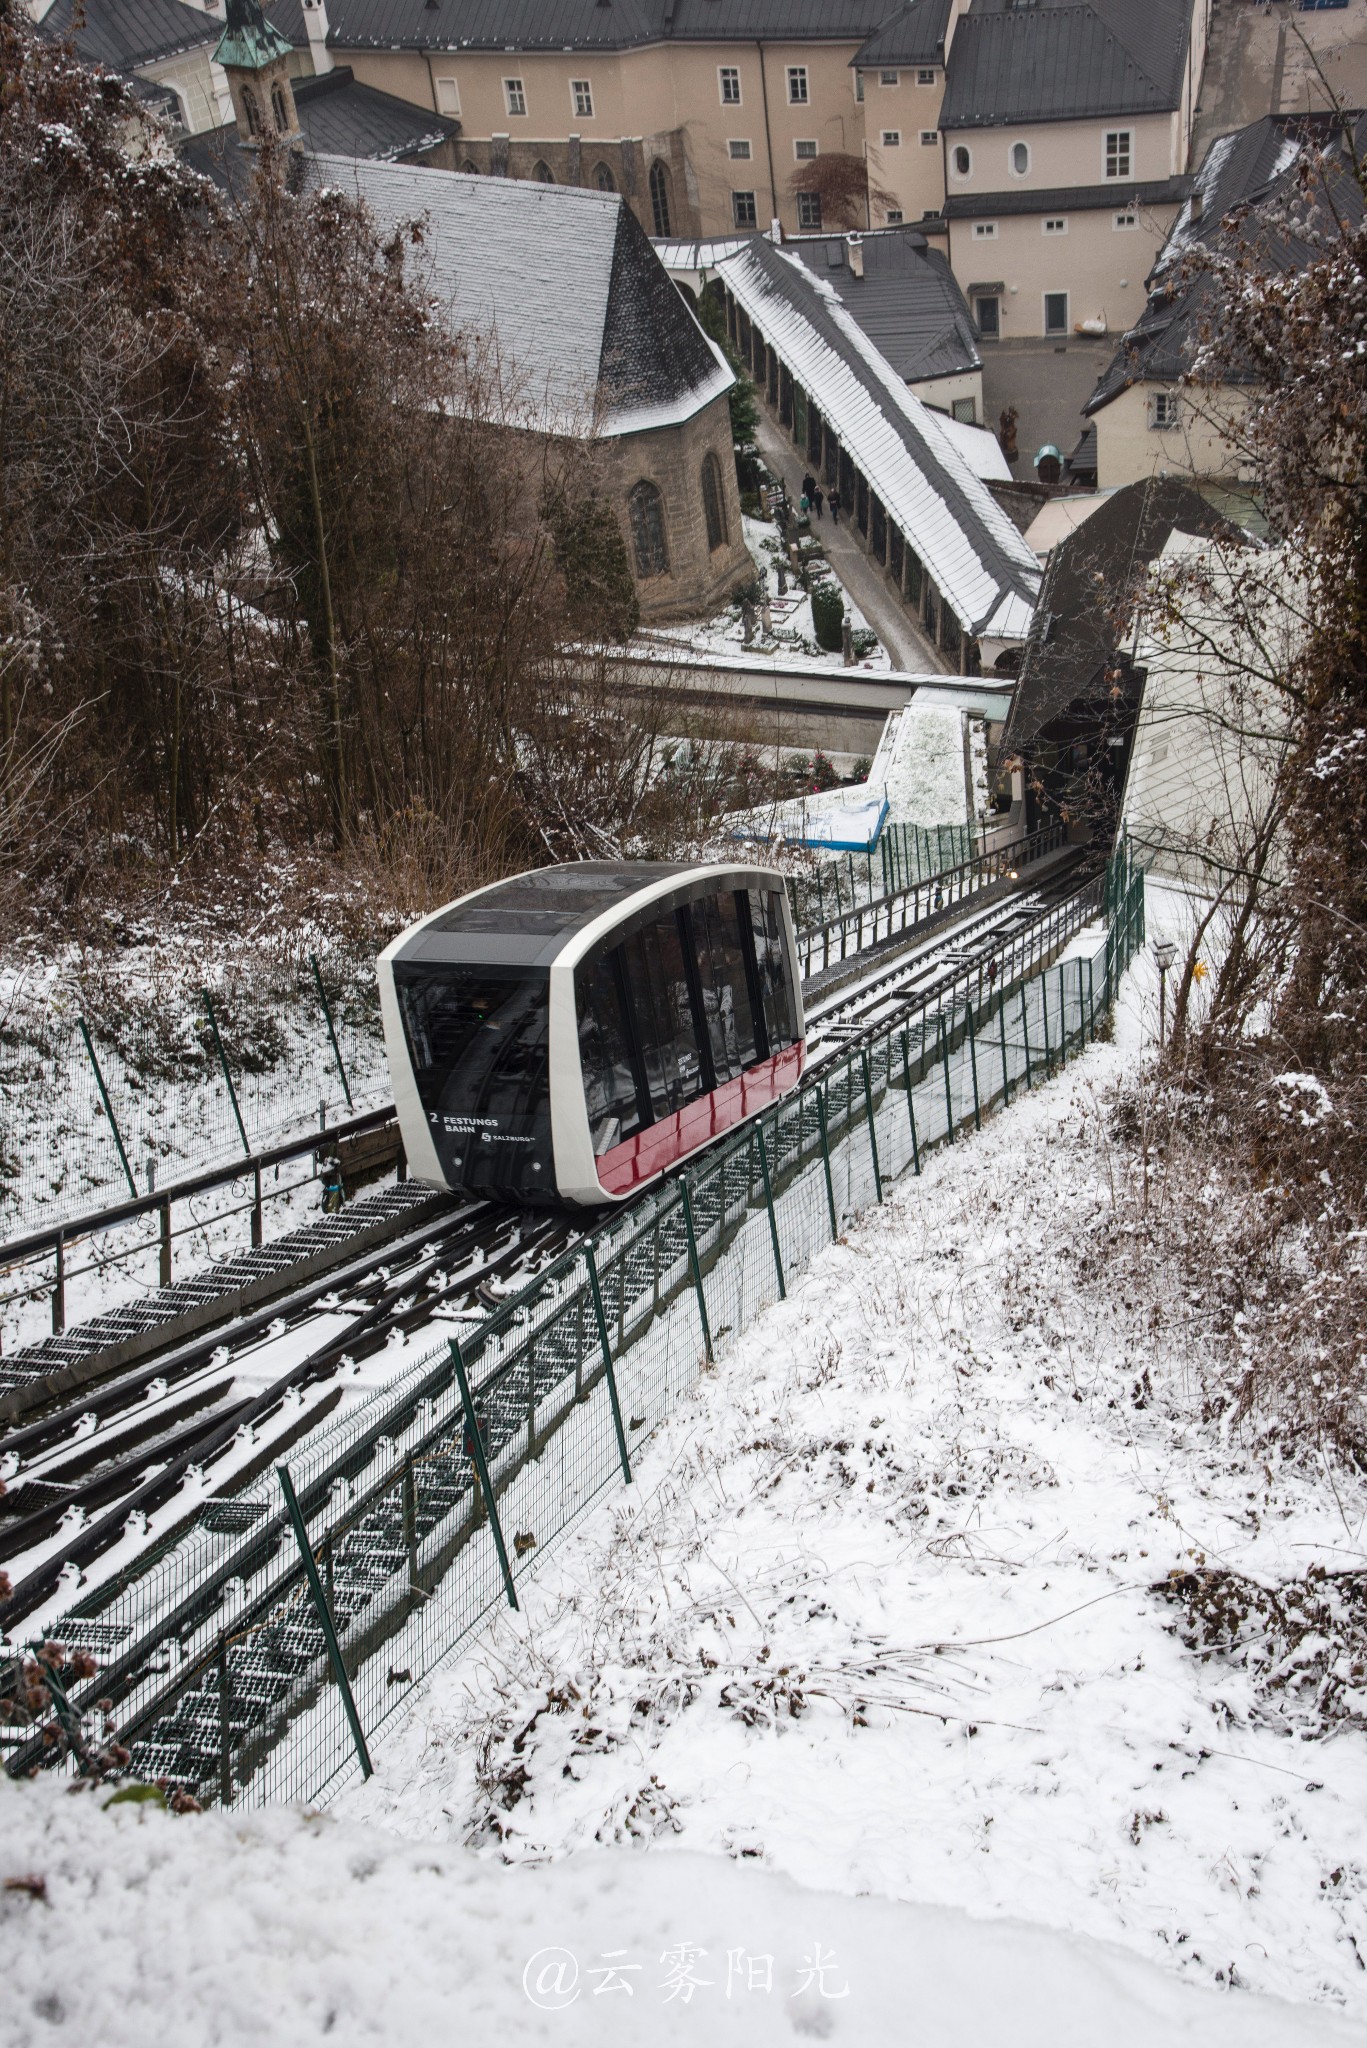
{"points": [[1164, 953]]}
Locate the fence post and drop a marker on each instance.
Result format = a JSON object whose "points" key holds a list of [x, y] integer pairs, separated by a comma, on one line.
{"points": [[332, 1033], [225, 1731], [826, 1159], [59, 1286], [257, 1220], [165, 1214], [973, 1065], [334, 1648], [1044, 1014], [1091, 1001], [108, 1108], [949, 1093], [602, 1322], [410, 1520], [482, 1468], [1025, 1038], [223, 1062], [697, 1271], [873, 1131], [911, 1106], [769, 1204], [1006, 1070]]}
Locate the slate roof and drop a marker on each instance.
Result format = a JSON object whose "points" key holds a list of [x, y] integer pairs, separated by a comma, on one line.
{"points": [[1246, 184], [123, 33], [1087, 580], [977, 558], [914, 35], [578, 24], [592, 336], [1065, 60], [908, 301], [1063, 199], [337, 117]]}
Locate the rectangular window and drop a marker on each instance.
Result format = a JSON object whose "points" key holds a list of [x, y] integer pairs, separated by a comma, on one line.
{"points": [[1128, 219], [448, 96], [859, 87], [728, 78], [984, 231], [1055, 225], [1119, 152], [797, 85], [1163, 410], [478, 1037], [740, 152], [581, 91], [1056, 312], [965, 410], [892, 138], [804, 151], [925, 78], [929, 137], [809, 211], [514, 97], [743, 210], [895, 216], [889, 78]]}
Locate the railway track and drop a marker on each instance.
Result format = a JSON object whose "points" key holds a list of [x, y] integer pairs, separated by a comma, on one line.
{"points": [[194, 1425]]}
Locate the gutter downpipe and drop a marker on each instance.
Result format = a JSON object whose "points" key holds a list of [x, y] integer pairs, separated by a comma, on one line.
{"points": [[768, 139]]}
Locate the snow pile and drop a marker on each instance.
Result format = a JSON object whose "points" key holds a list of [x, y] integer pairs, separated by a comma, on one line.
{"points": [[887, 1610], [279, 1928]]}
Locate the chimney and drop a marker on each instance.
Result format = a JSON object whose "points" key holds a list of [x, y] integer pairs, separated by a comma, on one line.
{"points": [[854, 248], [316, 26], [776, 229]]}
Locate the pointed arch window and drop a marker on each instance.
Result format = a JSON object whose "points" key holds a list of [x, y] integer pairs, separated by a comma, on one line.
{"points": [[279, 110], [542, 172], [251, 110], [713, 502], [470, 168], [647, 511], [659, 198], [603, 178]]}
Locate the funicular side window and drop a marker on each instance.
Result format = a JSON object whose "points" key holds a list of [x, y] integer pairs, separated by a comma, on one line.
{"points": [[663, 1015], [771, 961], [610, 1078]]}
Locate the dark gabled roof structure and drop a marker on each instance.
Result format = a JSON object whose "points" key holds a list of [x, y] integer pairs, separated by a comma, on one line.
{"points": [[591, 336], [908, 300], [1246, 194], [1088, 580], [337, 117], [914, 35], [1063, 199], [514, 25], [121, 34], [1061, 60]]}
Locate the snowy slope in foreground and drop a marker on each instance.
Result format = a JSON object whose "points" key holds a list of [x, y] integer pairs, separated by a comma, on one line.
{"points": [[276, 1930]]}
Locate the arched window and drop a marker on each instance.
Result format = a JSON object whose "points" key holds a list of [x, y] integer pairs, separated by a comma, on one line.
{"points": [[542, 172], [648, 530], [713, 501], [251, 110], [471, 170], [962, 161], [603, 178], [279, 110], [659, 197]]}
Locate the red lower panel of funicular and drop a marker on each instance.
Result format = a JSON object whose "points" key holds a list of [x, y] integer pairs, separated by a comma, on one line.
{"points": [[625, 1166]]}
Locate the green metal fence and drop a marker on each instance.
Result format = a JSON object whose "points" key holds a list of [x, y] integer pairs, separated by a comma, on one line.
{"points": [[262, 1656]]}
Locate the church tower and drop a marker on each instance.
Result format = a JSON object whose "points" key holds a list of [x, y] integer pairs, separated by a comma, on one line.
{"points": [[256, 58]]}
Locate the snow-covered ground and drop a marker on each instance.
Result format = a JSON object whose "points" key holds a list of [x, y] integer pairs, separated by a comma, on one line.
{"points": [[793, 631]]}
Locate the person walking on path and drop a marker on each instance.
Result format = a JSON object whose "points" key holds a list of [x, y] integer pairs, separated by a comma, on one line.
{"points": [[834, 502], [818, 498], [808, 484]]}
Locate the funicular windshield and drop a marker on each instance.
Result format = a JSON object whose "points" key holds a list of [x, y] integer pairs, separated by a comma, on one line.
{"points": [[478, 1039], [686, 1003]]}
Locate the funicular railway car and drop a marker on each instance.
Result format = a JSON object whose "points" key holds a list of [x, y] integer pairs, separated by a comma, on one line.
{"points": [[570, 1034]]}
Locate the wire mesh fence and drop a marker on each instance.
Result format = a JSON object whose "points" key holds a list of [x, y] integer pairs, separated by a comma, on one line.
{"points": [[260, 1657], [904, 856], [116, 1080]]}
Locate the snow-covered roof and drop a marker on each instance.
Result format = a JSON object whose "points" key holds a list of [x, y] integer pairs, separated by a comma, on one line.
{"points": [[979, 446], [972, 550], [591, 336]]}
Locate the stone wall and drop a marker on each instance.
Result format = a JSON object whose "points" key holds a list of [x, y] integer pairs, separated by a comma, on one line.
{"points": [[700, 579], [576, 162]]}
